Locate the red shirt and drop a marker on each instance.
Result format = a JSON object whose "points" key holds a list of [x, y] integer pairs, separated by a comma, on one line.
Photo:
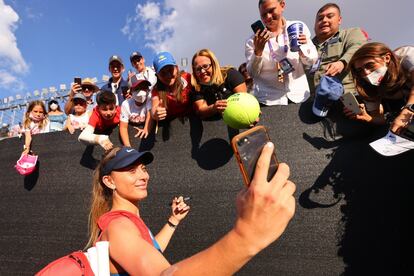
{"points": [[176, 108], [100, 124]]}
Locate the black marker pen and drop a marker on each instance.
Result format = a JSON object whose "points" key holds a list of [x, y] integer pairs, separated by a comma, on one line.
{"points": [[187, 198]]}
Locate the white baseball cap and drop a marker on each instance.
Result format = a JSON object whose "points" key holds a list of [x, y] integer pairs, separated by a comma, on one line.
{"points": [[392, 144]]}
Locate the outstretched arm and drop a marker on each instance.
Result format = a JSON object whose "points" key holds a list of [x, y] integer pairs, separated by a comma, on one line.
{"points": [[179, 210], [264, 210], [27, 142], [88, 137], [406, 116], [123, 132]]}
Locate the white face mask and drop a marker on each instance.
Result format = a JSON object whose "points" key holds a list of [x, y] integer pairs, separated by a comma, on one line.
{"points": [[376, 76], [36, 118], [139, 96], [53, 106]]}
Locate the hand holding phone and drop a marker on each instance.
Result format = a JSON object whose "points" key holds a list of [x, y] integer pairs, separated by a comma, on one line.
{"points": [[78, 81], [258, 25], [247, 147], [351, 103]]}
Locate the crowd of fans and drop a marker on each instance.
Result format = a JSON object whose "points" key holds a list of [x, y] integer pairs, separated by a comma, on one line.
{"points": [[168, 92], [381, 79]]}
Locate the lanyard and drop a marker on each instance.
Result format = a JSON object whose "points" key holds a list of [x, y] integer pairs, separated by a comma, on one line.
{"points": [[273, 54], [324, 52]]}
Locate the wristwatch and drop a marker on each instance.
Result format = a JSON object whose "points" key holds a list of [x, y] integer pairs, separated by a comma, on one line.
{"points": [[410, 107]]}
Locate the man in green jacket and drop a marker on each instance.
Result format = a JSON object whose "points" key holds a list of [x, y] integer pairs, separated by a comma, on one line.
{"points": [[335, 47]]}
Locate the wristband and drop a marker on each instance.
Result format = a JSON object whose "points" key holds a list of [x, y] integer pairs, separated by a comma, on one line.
{"points": [[410, 107], [171, 224]]}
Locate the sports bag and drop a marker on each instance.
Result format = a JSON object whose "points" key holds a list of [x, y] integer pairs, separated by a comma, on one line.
{"points": [[73, 264], [77, 263]]}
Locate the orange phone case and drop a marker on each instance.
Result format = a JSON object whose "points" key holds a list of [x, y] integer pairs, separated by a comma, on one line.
{"points": [[248, 151]]}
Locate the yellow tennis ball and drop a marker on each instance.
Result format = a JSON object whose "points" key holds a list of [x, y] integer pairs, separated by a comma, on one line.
{"points": [[242, 110]]}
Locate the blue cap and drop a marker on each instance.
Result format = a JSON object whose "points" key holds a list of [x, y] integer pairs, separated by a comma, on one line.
{"points": [[125, 157], [329, 90], [163, 59]]}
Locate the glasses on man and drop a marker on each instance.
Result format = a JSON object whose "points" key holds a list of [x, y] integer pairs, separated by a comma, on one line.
{"points": [[136, 59], [204, 67]]}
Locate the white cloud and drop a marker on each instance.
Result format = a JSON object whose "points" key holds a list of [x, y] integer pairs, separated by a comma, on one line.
{"points": [[12, 63], [185, 26]]}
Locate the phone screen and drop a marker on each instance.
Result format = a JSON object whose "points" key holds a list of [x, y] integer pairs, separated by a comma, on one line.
{"points": [[258, 25], [408, 132], [77, 80], [248, 146], [350, 102]]}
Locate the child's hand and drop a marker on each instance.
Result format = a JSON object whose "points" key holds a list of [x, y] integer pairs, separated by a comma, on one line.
{"points": [[71, 129], [106, 144], [141, 132]]}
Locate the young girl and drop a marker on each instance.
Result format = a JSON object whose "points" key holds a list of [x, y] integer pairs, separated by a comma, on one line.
{"points": [[170, 96], [80, 119], [385, 81], [56, 116], [35, 122]]}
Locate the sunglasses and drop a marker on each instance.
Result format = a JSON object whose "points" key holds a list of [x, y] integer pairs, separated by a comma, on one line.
{"points": [[90, 88], [136, 59], [204, 67], [75, 103]]}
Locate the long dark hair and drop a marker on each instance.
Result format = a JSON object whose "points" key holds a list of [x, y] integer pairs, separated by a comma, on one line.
{"points": [[393, 80]]}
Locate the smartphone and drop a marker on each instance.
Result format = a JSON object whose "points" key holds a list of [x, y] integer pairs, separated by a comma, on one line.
{"points": [[258, 25], [408, 132], [77, 80], [350, 102], [247, 147]]}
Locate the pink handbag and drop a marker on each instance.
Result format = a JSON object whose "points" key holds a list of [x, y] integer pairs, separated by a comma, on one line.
{"points": [[26, 164]]}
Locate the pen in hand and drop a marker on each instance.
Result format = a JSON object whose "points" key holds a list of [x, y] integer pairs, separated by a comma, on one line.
{"points": [[184, 199]]}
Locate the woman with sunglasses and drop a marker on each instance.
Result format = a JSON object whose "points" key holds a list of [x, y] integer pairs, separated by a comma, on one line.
{"points": [[120, 184], [213, 84], [170, 95], [385, 81]]}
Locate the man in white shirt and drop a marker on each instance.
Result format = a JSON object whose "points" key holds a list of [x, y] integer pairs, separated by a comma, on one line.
{"points": [[143, 72], [277, 71]]}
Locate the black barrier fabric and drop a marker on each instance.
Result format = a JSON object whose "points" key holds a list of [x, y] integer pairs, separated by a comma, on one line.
{"points": [[352, 204]]}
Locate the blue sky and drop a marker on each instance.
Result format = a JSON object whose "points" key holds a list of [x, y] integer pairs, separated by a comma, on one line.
{"points": [[45, 43], [62, 39]]}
